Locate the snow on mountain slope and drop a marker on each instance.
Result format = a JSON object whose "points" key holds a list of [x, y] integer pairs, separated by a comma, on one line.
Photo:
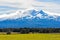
{"points": [[29, 14], [30, 18]]}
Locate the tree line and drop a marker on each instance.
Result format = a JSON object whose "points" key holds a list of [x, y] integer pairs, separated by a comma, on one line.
{"points": [[30, 30]]}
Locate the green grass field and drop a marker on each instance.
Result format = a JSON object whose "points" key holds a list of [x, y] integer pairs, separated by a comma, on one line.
{"points": [[31, 37]]}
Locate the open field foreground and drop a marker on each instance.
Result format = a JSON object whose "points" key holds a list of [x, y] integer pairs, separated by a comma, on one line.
{"points": [[41, 36]]}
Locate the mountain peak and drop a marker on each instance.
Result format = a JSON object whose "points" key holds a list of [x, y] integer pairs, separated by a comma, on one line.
{"points": [[43, 13]]}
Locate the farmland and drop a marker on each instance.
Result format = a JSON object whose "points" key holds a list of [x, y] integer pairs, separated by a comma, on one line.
{"points": [[35, 36]]}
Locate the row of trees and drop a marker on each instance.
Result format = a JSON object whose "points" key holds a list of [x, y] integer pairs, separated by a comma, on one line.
{"points": [[31, 30]]}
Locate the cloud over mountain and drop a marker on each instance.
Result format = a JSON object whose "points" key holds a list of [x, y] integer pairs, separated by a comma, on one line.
{"points": [[28, 13]]}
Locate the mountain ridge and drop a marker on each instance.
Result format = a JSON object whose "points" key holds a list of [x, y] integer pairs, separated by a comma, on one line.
{"points": [[30, 18]]}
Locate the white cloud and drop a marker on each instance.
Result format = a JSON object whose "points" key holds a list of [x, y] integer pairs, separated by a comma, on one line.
{"points": [[49, 6], [17, 3]]}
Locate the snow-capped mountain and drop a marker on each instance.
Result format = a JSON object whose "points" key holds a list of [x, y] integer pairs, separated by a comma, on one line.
{"points": [[30, 18], [29, 13]]}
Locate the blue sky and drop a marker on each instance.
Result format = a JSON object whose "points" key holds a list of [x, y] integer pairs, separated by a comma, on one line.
{"points": [[49, 0], [54, 1]]}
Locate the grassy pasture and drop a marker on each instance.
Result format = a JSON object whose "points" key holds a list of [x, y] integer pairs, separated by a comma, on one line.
{"points": [[36, 36]]}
